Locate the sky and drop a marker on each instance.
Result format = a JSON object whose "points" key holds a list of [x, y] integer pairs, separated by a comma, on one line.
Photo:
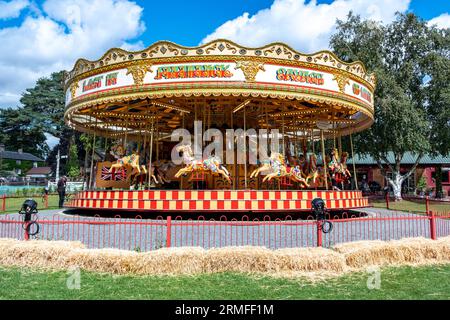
{"points": [[38, 37]]}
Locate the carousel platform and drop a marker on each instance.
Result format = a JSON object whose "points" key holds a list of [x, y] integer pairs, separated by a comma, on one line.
{"points": [[215, 200]]}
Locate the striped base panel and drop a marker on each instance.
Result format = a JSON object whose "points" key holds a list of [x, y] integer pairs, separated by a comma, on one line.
{"points": [[215, 200]]}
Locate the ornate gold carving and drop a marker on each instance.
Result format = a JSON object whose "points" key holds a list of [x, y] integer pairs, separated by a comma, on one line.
{"points": [[231, 48], [250, 69], [73, 89], [153, 51], [342, 81], [211, 48], [173, 49], [138, 73]]}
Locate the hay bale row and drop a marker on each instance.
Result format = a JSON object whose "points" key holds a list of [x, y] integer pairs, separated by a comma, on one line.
{"points": [[60, 255]]}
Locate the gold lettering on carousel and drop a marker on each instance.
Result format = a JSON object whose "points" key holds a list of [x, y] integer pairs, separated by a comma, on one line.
{"points": [[196, 71], [284, 74]]}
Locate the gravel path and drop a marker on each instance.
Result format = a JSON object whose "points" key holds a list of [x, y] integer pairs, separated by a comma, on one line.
{"points": [[147, 234]]}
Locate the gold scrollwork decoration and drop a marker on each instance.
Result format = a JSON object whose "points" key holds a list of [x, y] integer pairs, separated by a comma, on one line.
{"points": [[250, 69], [342, 81], [138, 73], [73, 89]]}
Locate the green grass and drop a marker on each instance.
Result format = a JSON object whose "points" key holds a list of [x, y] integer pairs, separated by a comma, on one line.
{"points": [[412, 206], [431, 282], [13, 204]]}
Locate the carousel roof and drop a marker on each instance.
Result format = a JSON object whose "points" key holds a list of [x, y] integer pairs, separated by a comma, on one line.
{"points": [[168, 86]]}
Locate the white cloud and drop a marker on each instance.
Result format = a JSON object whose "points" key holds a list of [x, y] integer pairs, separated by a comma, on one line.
{"points": [[60, 33], [12, 9], [304, 26], [442, 21]]}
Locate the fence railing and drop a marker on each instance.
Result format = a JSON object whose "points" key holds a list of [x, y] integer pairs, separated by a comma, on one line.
{"points": [[10, 203], [413, 203], [149, 234]]}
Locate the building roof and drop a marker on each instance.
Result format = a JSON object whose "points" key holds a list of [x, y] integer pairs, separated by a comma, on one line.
{"points": [[408, 159], [19, 156], [39, 171]]}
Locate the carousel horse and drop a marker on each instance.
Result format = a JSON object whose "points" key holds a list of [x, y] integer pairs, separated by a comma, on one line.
{"points": [[279, 168], [313, 171], [131, 161], [334, 164], [296, 174], [212, 164], [344, 170], [264, 168]]}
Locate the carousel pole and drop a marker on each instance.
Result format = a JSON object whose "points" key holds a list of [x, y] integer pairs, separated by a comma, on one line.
{"points": [[323, 160], [91, 171], [312, 140], [353, 162], [183, 125], [267, 128], [150, 156], [245, 148], [235, 166], [157, 140]]}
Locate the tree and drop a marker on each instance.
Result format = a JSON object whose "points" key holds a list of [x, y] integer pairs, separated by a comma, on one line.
{"points": [[405, 118], [73, 166], [20, 130], [438, 95], [46, 102]]}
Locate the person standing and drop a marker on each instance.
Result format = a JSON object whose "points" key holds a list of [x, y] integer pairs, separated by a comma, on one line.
{"points": [[61, 187]]}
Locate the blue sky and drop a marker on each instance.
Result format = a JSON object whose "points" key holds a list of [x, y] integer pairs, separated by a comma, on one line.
{"points": [[201, 17], [38, 37]]}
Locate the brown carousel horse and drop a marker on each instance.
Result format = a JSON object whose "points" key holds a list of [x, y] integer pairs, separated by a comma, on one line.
{"points": [[338, 167], [278, 169]]}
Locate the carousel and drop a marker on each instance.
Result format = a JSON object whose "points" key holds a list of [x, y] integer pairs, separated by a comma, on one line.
{"points": [[219, 128]]}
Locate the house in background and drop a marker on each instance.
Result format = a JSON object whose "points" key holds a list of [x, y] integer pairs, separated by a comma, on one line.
{"points": [[367, 168], [38, 175], [18, 162]]}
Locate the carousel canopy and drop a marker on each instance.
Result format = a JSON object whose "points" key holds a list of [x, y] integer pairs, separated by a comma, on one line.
{"points": [[168, 86]]}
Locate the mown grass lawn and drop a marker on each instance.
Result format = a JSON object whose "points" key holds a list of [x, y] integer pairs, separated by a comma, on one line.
{"points": [[431, 282], [411, 206], [13, 204]]}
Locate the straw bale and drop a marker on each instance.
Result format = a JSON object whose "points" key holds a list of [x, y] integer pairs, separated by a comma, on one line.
{"points": [[313, 263], [408, 251]]}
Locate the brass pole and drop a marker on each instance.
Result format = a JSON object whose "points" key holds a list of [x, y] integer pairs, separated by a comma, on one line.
{"points": [[181, 178], [353, 161], [91, 172], [245, 149], [325, 173], [150, 157]]}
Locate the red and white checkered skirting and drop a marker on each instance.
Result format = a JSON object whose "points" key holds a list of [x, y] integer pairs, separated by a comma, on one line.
{"points": [[215, 200]]}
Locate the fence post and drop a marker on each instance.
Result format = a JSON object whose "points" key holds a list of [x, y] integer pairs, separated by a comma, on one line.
{"points": [[4, 202], [387, 200], [46, 201], [319, 233], [169, 231], [26, 235], [427, 204], [432, 225]]}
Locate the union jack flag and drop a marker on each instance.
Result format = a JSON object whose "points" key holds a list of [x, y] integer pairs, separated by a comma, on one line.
{"points": [[116, 175]]}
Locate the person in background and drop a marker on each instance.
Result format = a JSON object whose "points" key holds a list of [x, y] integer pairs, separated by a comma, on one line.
{"points": [[61, 187]]}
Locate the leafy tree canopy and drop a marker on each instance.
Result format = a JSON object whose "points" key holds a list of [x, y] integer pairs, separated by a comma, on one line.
{"points": [[412, 66]]}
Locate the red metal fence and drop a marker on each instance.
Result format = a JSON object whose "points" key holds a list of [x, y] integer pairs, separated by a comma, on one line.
{"points": [[145, 234]]}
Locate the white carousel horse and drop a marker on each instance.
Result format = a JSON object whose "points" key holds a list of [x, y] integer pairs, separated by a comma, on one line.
{"points": [[212, 164], [278, 167]]}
